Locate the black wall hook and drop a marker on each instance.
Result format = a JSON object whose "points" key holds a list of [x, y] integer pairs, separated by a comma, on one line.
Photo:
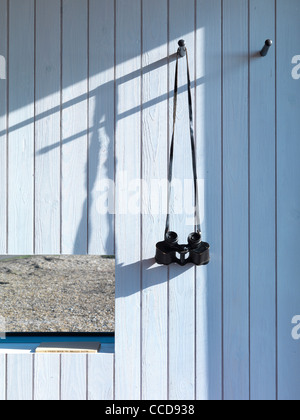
{"points": [[267, 46], [182, 48]]}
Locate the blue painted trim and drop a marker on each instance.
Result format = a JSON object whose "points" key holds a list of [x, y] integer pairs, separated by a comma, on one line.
{"points": [[57, 338]]}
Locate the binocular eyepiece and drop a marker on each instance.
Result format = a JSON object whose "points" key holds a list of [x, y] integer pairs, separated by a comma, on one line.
{"points": [[194, 240], [169, 251]]}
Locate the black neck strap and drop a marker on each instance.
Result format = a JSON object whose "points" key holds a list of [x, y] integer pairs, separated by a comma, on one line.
{"points": [[194, 161]]}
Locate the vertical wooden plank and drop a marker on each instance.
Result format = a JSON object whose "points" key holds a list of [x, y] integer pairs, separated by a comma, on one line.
{"points": [[3, 123], [47, 377], [101, 127], [73, 377], [155, 158], [19, 377], [182, 280], [235, 189], [21, 127], [100, 377], [209, 151], [74, 127], [2, 377], [262, 204], [128, 217], [288, 198], [47, 127]]}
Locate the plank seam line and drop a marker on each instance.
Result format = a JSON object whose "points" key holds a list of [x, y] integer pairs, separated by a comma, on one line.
{"points": [[87, 377], [34, 129], [7, 124], [276, 206], [61, 119], [141, 208], [249, 196], [6, 376], [60, 377], [114, 377], [195, 203], [115, 119], [88, 130], [168, 157], [222, 190], [33, 376]]}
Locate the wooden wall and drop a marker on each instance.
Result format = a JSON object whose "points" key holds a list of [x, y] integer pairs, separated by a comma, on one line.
{"points": [[89, 96], [56, 377]]}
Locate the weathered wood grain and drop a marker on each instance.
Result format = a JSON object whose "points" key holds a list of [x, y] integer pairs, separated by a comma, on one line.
{"points": [[209, 158], [74, 127], [101, 128], [47, 127], [19, 377], [235, 200], [47, 377], [288, 198], [155, 158], [101, 377], [262, 205], [2, 377], [74, 377], [128, 217], [182, 280], [3, 125], [21, 127]]}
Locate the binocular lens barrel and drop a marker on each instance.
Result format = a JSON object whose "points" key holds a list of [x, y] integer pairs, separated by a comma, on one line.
{"points": [[172, 238], [194, 239]]}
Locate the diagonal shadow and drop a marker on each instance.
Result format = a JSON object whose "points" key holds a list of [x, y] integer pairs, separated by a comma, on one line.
{"points": [[98, 91], [131, 288]]}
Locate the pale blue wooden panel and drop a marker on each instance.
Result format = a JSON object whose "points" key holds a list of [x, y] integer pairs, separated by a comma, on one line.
{"points": [[101, 127], [3, 124], [47, 127], [209, 144], [262, 204], [100, 377], [235, 190], [73, 377], [19, 377], [47, 377], [182, 280], [21, 127], [288, 198], [74, 127], [155, 157], [128, 205], [2, 377]]}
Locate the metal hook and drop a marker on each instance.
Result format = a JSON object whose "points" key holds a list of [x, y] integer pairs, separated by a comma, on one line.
{"points": [[267, 46], [182, 48]]}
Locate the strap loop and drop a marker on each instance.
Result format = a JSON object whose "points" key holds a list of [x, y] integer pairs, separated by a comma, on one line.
{"points": [[193, 148]]}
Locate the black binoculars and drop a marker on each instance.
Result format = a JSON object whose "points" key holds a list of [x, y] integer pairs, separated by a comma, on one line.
{"points": [[195, 252], [169, 251]]}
